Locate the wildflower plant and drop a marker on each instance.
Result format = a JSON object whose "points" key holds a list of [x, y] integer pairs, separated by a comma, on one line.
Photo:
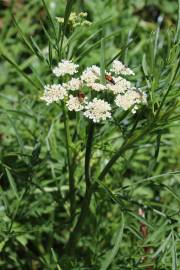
{"points": [[97, 109], [95, 174]]}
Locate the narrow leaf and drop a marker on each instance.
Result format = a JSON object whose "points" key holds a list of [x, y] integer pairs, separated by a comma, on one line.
{"points": [[111, 255], [12, 182]]}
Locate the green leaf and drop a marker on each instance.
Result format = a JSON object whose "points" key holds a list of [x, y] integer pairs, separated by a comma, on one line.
{"points": [[12, 183], [141, 219], [102, 60], [20, 71], [35, 154], [162, 247], [2, 244], [50, 19], [19, 139], [176, 38], [111, 254], [174, 254], [175, 195]]}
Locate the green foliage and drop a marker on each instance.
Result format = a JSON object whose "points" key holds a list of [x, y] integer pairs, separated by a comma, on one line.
{"points": [[133, 159]]}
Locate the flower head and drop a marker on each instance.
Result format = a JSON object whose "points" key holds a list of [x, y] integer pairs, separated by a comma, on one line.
{"points": [[53, 93], [131, 98], [119, 68], [121, 85], [98, 109], [76, 19], [65, 67], [73, 84], [127, 96], [96, 86], [73, 104], [91, 74]]}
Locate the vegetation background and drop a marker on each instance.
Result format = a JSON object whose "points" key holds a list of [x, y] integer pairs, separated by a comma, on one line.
{"points": [[34, 207]]}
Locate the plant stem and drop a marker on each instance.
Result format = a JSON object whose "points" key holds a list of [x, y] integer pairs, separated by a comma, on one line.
{"points": [[66, 18], [89, 191], [73, 240], [88, 153], [70, 168]]}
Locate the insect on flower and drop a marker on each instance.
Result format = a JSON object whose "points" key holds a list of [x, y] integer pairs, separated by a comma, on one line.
{"points": [[110, 79], [81, 96]]}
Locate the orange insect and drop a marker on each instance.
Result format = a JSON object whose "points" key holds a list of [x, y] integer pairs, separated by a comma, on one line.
{"points": [[109, 79], [81, 96]]}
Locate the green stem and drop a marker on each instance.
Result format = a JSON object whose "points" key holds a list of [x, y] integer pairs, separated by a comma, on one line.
{"points": [[88, 153], [70, 168], [66, 18], [89, 191], [73, 240], [173, 76]]}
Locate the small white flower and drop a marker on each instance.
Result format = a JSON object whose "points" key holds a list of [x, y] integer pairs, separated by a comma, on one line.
{"points": [[60, 19], [65, 67], [119, 68], [121, 85], [74, 104], [73, 84], [91, 74], [130, 98], [54, 92], [83, 14], [96, 86], [97, 110]]}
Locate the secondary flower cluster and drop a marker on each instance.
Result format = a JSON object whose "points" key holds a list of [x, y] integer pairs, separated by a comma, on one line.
{"points": [[75, 92], [76, 19]]}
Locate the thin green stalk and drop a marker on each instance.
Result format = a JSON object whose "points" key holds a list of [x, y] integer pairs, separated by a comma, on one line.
{"points": [[70, 167], [66, 18], [89, 191], [73, 239], [88, 153], [173, 76]]}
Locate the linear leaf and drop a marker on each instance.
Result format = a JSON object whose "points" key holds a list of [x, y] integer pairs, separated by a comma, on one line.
{"points": [[174, 255], [20, 71], [12, 182], [162, 247], [111, 255]]}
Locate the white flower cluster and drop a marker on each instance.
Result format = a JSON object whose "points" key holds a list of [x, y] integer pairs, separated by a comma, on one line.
{"points": [[120, 87], [74, 104], [65, 67], [91, 74], [97, 110], [119, 68], [74, 84], [76, 19], [75, 92], [54, 92]]}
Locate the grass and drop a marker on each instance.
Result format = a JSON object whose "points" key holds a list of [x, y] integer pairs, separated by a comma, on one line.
{"points": [[70, 190]]}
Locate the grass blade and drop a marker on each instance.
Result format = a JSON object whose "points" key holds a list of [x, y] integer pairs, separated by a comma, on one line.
{"points": [[12, 183], [19, 139], [102, 61], [174, 255], [162, 247], [20, 71], [110, 256]]}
